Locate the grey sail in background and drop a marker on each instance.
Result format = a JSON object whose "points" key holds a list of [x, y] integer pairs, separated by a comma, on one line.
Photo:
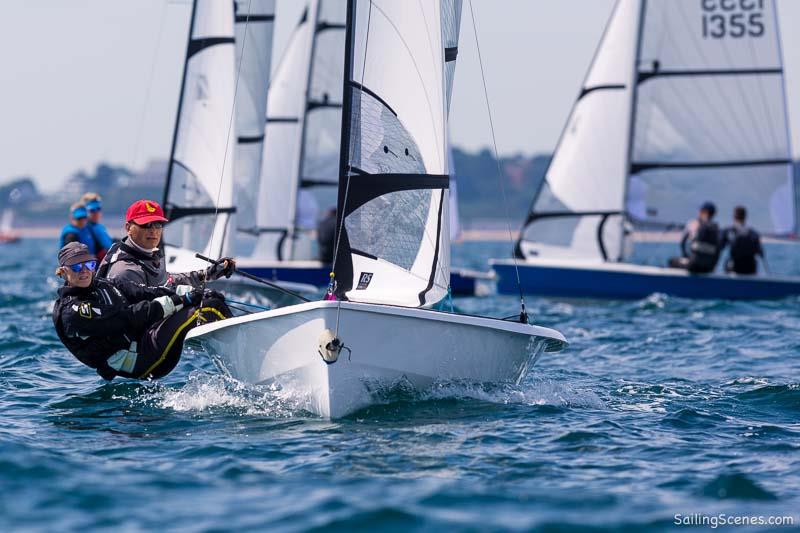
{"points": [[684, 102], [254, 30]]}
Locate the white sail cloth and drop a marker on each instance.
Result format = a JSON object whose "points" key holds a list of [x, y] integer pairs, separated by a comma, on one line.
{"points": [[395, 246], [201, 168]]}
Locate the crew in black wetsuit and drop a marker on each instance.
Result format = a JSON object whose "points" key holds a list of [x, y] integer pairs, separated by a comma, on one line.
{"points": [[703, 238], [120, 328], [745, 244]]}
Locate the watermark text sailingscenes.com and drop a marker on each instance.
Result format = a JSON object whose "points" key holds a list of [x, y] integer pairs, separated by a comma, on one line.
{"points": [[722, 519]]}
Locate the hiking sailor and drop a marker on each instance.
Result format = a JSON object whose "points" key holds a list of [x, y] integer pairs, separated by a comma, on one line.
{"points": [[744, 242], [121, 328], [139, 259], [703, 238]]}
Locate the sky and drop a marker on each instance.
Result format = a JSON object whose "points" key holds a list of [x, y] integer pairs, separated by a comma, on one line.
{"points": [[85, 81]]}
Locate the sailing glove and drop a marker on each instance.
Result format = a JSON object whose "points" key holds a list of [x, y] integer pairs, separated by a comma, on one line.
{"points": [[193, 298], [169, 303], [225, 267]]}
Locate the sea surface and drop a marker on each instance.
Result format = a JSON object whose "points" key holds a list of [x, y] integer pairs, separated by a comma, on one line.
{"points": [[662, 410]]}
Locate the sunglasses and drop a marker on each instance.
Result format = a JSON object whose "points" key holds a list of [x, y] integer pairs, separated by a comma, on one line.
{"points": [[151, 225], [95, 209], [88, 265]]}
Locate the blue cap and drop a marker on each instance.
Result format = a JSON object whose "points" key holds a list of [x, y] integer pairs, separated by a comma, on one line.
{"points": [[94, 205], [710, 207], [79, 212]]}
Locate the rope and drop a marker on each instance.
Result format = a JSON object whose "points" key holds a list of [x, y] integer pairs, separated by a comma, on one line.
{"points": [[523, 314]]}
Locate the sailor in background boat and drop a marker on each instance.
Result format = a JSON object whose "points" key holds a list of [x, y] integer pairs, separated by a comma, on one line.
{"points": [[102, 240], [703, 238], [125, 329], [138, 258], [75, 230], [744, 242], [326, 233]]}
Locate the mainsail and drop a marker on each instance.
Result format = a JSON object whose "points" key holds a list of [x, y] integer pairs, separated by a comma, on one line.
{"points": [[394, 246], [255, 20], [302, 136], [199, 188], [683, 103]]}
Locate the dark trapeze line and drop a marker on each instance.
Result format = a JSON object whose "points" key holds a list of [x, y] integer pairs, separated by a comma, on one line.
{"points": [[198, 45], [322, 26], [250, 140], [255, 18], [315, 104], [644, 76], [372, 94], [587, 90], [642, 166]]}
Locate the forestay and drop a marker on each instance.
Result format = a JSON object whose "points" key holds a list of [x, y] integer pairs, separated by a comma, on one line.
{"points": [[683, 103], [199, 188], [301, 153], [394, 243], [254, 31]]}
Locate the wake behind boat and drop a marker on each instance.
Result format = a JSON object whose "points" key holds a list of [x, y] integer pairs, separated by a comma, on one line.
{"points": [[392, 259], [672, 112]]}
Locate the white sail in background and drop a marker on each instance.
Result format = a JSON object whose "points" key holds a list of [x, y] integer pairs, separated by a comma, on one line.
{"points": [[395, 245], [589, 167], [683, 103], [200, 179], [301, 154], [254, 31]]}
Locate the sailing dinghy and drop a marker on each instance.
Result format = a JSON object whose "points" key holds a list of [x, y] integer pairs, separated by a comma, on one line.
{"points": [[683, 102], [375, 329], [299, 172]]}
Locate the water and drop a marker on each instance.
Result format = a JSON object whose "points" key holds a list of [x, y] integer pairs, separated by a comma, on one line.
{"points": [[659, 407]]}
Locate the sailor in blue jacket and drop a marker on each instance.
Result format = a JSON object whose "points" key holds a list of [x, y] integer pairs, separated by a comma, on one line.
{"points": [[75, 230], [102, 241]]}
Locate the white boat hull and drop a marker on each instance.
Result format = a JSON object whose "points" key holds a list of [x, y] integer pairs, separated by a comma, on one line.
{"points": [[385, 346]]}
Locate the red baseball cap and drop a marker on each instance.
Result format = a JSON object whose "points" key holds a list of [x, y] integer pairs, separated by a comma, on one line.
{"points": [[144, 212]]}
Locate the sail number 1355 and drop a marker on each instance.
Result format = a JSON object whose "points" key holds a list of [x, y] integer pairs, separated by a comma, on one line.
{"points": [[733, 18]]}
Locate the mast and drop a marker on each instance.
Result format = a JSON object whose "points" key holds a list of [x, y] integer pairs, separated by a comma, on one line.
{"points": [[178, 113], [344, 147], [632, 124]]}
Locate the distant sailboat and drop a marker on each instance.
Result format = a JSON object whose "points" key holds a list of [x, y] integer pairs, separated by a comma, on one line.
{"points": [[393, 255], [684, 102], [7, 234]]}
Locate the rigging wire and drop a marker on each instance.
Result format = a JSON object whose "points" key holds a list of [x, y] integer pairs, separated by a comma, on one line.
{"points": [[523, 314], [349, 158]]}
